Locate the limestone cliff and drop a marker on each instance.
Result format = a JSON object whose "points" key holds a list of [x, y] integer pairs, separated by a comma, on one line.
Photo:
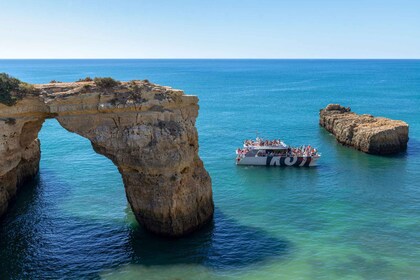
{"points": [[147, 130], [373, 135]]}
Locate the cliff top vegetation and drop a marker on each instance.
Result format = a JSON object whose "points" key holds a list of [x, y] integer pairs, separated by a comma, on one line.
{"points": [[12, 90]]}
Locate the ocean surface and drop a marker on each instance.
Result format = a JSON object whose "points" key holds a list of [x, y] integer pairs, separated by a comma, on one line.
{"points": [[355, 216]]}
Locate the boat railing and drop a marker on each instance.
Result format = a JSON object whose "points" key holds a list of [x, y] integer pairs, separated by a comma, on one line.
{"points": [[287, 155]]}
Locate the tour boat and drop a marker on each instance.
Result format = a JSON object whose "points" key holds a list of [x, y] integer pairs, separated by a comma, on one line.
{"points": [[275, 153]]}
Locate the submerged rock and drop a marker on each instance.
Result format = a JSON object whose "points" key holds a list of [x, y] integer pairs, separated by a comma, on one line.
{"points": [[156, 151], [373, 135]]}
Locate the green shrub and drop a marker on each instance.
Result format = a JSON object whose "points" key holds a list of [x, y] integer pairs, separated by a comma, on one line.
{"points": [[134, 86], [85, 88], [87, 79], [12, 89], [106, 83], [25, 89], [54, 82]]}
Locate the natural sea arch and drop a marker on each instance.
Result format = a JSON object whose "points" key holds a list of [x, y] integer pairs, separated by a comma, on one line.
{"points": [[147, 131]]}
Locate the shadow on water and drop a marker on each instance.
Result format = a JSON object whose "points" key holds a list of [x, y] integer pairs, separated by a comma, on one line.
{"points": [[413, 147], [37, 240], [222, 244], [15, 229]]}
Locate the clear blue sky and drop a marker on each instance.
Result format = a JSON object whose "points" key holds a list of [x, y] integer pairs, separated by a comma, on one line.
{"points": [[210, 29]]}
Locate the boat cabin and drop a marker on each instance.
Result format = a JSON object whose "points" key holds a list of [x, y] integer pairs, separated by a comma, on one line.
{"points": [[266, 151]]}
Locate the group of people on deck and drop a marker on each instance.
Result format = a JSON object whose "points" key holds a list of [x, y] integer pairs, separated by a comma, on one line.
{"points": [[302, 151], [261, 142]]}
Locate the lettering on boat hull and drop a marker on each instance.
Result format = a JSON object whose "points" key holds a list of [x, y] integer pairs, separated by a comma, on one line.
{"points": [[279, 161]]}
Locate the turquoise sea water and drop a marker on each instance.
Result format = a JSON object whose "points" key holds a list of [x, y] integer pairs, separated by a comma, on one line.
{"points": [[356, 216]]}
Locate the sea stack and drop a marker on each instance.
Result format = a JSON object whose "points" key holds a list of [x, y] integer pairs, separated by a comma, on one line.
{"points": [[369, 134], [147, 130]]}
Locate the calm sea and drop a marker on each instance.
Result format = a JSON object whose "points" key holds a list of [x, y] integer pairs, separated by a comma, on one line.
{"points": [[356, 216]]}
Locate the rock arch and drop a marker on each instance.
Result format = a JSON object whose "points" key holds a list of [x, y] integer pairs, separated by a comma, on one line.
{"points": [[147, 130]]}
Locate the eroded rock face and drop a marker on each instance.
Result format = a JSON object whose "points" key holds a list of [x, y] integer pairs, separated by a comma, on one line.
{"points": [[373, 135], [19, 146], [148, 131]]}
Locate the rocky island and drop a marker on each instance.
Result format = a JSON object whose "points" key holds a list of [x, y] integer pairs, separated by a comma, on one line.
{"points": [[147, 130], [373, 135]]}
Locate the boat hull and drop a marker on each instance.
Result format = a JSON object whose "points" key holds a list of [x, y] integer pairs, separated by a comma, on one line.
{"points": [[278, 161]]}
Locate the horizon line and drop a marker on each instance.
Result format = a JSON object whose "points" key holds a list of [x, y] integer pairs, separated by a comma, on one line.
{"points": [[217, 58]]}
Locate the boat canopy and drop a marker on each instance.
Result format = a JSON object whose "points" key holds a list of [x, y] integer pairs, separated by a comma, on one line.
{"points": [[270, 147]]}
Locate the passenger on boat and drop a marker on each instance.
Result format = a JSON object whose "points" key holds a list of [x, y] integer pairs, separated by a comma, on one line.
{"points": [[302, 151], [261, 142]]}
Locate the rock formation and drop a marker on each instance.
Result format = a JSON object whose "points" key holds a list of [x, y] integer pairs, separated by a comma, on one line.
{"points": [[147, 130], [373, 135]]}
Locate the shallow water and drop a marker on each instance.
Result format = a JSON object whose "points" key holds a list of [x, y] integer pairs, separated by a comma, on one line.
{"points": [[355, 216]]}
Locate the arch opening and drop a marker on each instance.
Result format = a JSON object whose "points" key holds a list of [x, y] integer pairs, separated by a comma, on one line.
{"points": [[78, 181]]}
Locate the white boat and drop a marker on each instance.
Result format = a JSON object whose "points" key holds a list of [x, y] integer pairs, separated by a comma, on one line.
{"points": [[275, 153]]}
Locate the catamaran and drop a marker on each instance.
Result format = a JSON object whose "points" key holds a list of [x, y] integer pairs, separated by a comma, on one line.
{"points": [[275, 153]]}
